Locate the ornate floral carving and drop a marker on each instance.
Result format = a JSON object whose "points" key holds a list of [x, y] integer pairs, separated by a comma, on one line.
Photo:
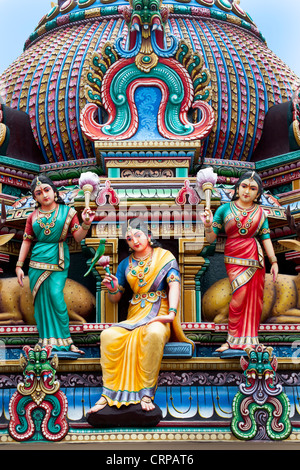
{"points": [[38, 408], [260, 408]]}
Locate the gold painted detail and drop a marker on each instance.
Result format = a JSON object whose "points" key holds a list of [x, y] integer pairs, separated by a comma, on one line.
{"points": [[193, 364], [68, 6], [243, 278], [61, 342], [47, 226], [2, 133], [241, 262], [148, 173], [296, 130], [154, 145], [158, 435], [85, 3], [242, 341], [37, 388], [135, 163], [44, 266], [39, 282], [151, 297]]}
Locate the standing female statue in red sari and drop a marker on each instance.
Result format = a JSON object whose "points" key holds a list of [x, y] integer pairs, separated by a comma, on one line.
{"points": [[243, 220]]}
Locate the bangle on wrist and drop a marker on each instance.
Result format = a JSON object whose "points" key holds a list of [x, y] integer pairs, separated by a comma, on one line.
{"points": [[19, 264], [114, 292], [85, 226], [171, 309], [273, 259], [208, 229]]}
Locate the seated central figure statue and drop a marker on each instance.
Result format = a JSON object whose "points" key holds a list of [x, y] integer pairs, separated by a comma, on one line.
{"points": [[132, 350]]}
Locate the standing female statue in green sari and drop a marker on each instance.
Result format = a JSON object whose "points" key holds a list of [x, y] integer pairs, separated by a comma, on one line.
{"points": [[49, 225]]}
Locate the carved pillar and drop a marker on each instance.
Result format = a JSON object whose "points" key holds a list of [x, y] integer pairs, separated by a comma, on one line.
{"points": [[106, 311], [191, 266]]}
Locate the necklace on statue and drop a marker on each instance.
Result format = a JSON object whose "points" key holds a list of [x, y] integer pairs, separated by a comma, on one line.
{"points": [[48, 225], [238, 212], [46, 214], [142, 268]]}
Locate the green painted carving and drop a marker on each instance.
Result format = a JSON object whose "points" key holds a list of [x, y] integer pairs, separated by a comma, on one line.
{"points": [[260, 407], [38, 408]]}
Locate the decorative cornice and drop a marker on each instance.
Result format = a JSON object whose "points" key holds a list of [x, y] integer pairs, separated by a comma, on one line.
{"points": [[59, 17], [67, 164], [188, 327], [291, 197], [17, 173], [23, 165], [278, 161], [128, 146]]}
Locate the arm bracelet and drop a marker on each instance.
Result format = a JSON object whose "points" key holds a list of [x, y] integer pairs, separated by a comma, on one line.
{"points": [[173, 310], [114, 292], [273, 259], [208, 229], [19, 264], [85, 226]]}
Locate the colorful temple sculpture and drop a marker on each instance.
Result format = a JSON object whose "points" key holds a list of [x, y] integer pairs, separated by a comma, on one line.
{"points": [[144, 95]]}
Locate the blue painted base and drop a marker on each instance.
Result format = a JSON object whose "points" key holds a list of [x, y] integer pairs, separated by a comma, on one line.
{"points": [[66, 355], [184, 351], [230, 353], [178, 350]]}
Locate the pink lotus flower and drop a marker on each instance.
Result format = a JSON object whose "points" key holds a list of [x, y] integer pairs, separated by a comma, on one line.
{"points": [[104, 262]]}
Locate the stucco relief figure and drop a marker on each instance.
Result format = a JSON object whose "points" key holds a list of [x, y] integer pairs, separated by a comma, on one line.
{"points": [[132, 350], [48, 226], [244, 221]]}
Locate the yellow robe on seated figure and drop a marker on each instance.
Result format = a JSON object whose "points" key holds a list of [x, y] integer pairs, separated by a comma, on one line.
{"points": [[132, 350]]}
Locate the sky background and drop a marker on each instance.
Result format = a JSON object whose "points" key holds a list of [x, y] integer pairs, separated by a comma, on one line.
{"points": [[278, 20]]}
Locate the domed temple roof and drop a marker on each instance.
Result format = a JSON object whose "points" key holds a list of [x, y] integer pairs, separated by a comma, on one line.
{"points": [[240, 77]]}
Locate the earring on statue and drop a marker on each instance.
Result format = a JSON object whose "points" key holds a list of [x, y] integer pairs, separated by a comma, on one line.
{"points": [[55, 198]]}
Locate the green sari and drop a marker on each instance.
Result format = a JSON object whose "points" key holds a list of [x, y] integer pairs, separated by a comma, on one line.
{"points": [[48, 271]]}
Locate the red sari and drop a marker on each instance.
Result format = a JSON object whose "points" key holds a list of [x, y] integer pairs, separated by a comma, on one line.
{"points": [[244, 263]]}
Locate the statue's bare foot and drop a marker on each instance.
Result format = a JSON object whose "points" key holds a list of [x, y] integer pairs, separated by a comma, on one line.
{"points": [[223, 348], [99, 405], [74, 348], [147, 404]]}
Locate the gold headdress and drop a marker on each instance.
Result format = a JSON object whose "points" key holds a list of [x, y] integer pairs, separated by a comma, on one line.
{"points": [[134, 226], [129, 228], [252, 176]]}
